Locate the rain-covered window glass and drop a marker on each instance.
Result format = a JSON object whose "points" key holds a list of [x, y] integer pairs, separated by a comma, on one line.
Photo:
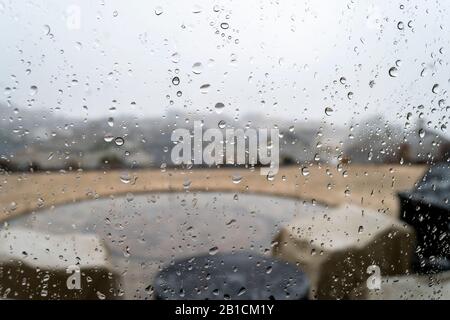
{"points": [[224, 149]]}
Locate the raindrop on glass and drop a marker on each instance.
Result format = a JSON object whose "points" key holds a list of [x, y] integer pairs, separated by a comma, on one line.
{"points": [[435, 89], [158, 10], [236, 178], [119, 141], [108, 137], [305, 171], [421, 133], [175, 57], [186, 184], [213, 251], [33, 90], [222, 124], [197, 68], [393, 72], [125, 178], [46, 30], [241, 291], [219, 107], [176, 81], [204, 88], [196, 9]]}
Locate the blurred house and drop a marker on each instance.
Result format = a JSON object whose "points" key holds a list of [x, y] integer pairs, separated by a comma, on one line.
{"points": [[380, 142], [423, 145], [111, 158], [297, 146], [374, 141]]}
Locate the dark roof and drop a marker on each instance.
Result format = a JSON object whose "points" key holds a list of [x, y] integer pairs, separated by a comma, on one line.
{"points": [[433, 188]]}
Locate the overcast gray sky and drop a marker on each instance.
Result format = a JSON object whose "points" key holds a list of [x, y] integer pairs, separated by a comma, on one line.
{"points": [[280, 58]]}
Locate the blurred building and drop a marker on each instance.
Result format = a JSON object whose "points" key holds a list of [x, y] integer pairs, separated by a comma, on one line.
{"points": [[378, 141]]}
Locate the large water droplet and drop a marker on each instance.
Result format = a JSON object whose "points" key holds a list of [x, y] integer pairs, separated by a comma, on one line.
{"points": [[305, 171], [222, 124], [213, 250], [158, 10], [108, 137], [204, 88], [176, 81], [242, 291], [130, 196], [236, 178], [119, 141], [270, 176], [125, 178], [435, 89], [421, 133], [197, 68], [229, 223], [33, 90], [100, 295], [424, 72], [196, 9], [175, 57], [186, 184], [219, 107], [393, 72], [46, 30]]}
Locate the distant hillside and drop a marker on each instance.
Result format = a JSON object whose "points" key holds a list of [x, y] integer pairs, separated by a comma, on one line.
{"points": [[47, 140]]}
